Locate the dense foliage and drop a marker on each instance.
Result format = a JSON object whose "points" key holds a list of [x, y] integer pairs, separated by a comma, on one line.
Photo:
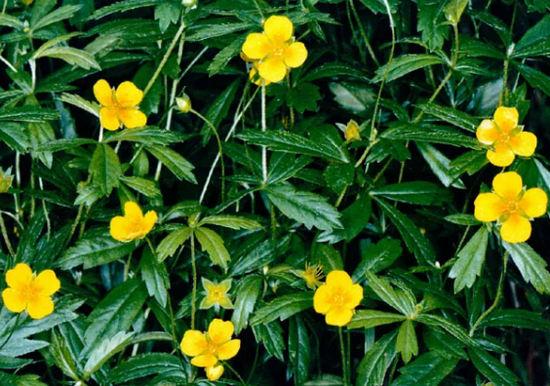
{"points": [[341, 135]]}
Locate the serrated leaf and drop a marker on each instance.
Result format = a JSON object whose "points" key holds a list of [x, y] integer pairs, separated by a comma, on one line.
{"points": [[440, 165], [298, 349], [385, 291], [155, 277], [451, 115], [142, 185], [373, 318], [406, 342], [428, 133], [229, 221], [470, 260], [105, 350], [105, 169], [372, 368], [213, 244], [248, 291], [428, 369], [282, 308], [170, 244], [531, 266], [403, 65], [145, 365], [492, 368], [516, 318], [376, 257], [414, 192], [178, 165]]}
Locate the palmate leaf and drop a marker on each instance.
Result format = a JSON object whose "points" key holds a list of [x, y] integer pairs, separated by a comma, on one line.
{"points": [[213, 244], [170, 244]]}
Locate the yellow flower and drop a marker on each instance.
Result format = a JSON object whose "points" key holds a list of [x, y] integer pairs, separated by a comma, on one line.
{"points": [[216, 294], [312, 275], [505, 137], [274, 49], [255, 78], [511, 206], [30, 292], [337, 298], [208, 348], [119, 107], [133, 225], [352, 131]]}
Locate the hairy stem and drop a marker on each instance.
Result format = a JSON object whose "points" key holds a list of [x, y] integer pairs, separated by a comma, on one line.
{"points": [[194, 292]]}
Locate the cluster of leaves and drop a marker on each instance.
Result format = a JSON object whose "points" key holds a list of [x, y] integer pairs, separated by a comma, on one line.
{"points": [[394, 208]]}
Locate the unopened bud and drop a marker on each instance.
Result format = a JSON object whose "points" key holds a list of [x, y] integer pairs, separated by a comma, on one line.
{"points": [[184, 103], [352, 131], [5, 180], [189, 3]]}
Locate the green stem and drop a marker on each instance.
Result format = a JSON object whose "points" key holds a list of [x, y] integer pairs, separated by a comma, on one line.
{"points": [[194, 292], [363, 33], [264, 129], [241, 380], [345, 370], [497, 297], [5, 235]]}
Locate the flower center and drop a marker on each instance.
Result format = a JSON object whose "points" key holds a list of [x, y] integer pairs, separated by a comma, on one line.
{"points": [[216, 294], [512, 206], [30, 291], [338, 299]]}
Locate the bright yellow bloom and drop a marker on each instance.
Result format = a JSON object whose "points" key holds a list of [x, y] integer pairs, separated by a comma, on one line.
{"points": [[505, 137], [120, 107], [352, 131], [274, 49], [216, 294], [312, 275], [208, 348], [30, 292], [511, 206], [133, 225], [337, 298]]}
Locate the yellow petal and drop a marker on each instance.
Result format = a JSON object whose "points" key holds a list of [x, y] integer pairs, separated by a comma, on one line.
{"points": [[108, 118], [256, 46], [501, 156], [225, 285], [487, 132], [339, 317], [193, 343], [207, 360], [488, 207], [19, 277], [321, 299], [272, 69], [214, 373], [516, 229], [219, 331], [229, 350], [149, 221], [14, 301], [524, 144], [47, 282], [118, 228], [339, 278], [278, 28], [506, 118], [508, 185], [295, 55], [103, 93], [354, 296], [534, 202], [132, 118], [40, 307], [207, 302], [226, 303], [128, 95], [132, 211]]}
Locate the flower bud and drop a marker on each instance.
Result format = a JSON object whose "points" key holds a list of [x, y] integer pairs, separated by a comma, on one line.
{"points": [[184, 103], [5, 180], [352, 131], [189, 3]]}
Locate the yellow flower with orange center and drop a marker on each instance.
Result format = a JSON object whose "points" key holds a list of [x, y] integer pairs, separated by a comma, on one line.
{"points": [[274, 50], [119, 107], [337, 298], [133, 225], [511, 206], [208, 348], [30, 292], [505, 137]]}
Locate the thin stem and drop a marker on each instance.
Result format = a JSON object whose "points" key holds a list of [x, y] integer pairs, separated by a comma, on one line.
{"points": [[18, 184], [7, 63], [164, 58], [345, 372], [363, 33], [264, 129], [5, 235], [76, 221], [497, 297], [241, 380], [194, 293]]}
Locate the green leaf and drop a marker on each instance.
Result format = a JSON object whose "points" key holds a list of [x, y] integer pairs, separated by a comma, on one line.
{"points": [[122, 6], [299, 350], [59, 14], [222, 58], [384, 291], [167, 13], [354, 219], [233, 222], [462, 219], [440, 165], [248, 291], [63, 144], [304, 96], [307, 208], [213, 244], [105, 169], [145, 365], [536, 41], [405, 64], [199, 32], [377, 360], [531, 266], [155, 276], [95, 248], [282, 307], [271, 336], [329, 70], [373, 318], [415, 241], [414, 192], [14, 135], [428, 369], [492, 368], [429, 133], [105, 350], [327, 257], [71, 55], [535, 78], [178, 165], [141, 185], [454, 9], [28, 114], [450, 115], [149, 135], [376, 257], [115, 313], [516, 318], [219, 109], [470, 260], [170, 244], [406, 342], [285, 141], [448, 326], [430, 23]]}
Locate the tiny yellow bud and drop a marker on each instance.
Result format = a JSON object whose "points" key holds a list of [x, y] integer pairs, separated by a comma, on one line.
{"points": [[5, 180], [184, 103], [189, 3], [352, 132]]}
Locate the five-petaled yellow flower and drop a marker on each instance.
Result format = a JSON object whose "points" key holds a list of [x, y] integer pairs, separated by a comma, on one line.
{"points": [[505, 137], [208, 348], [30, 292], [337, 298], [511, 206], [216, 294], [133, 225], [120, 107], [312, 275], [274, 50]]}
